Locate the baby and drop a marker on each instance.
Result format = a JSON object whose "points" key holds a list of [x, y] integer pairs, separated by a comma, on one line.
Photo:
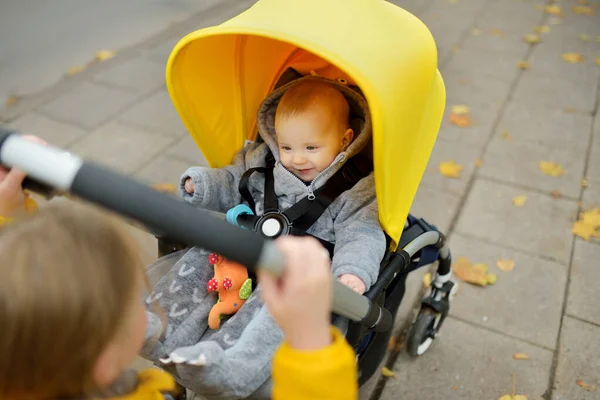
{"points": [[305, 126], [312, 130]]}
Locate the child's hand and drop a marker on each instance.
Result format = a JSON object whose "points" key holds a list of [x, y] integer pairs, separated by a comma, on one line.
{"points": [[189, 186], [300, 300], [353, 282], [12, 197]]}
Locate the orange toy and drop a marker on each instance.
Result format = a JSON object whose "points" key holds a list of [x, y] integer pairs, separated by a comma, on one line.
{"points": [[233, 285]]}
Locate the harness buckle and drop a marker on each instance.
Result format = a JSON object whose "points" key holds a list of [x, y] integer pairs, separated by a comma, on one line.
{"points": [[273, 224]]}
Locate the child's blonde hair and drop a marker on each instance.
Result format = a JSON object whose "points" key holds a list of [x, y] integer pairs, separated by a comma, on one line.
{"points": [[68, 277], [310, 94]]}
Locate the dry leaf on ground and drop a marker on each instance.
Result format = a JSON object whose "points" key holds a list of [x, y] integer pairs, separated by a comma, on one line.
{"points": [[521, 356], [532, 38], [476, 32], [460, 109], [427, 280], [385, 371], [478, 163], [598, 39], [460, 116], [523, 65], [473, 273], [164, 187], [572, 58], [553, 9], [585, 386], [587, 225], [505, 135], [584, 37], [450, 169], [519, 201], [104, 55], [541, 29], [551, 168], [505, 265], [597, 60], [11, 100], [584, 183], [513, 397], [497, 32], [582, 10], [392, 342], [74, 70], [556, 194]]}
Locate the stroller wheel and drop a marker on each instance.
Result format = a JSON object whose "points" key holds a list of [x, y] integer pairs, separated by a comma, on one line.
{"points": [[423, 332]]}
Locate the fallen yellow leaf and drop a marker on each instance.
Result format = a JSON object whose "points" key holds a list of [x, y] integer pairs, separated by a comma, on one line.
{"points": [[585, 386], [505, 265], [392, 343], [478, 163], [553, 9], [385, 371], [523, 64], [591, 217], [584, 183], [452, 1], [164, 187], [519, 201], [450, 169], [551, 168], [506, 136], [583, 2], [104, 55], [584, 37], [497, 32], [513, 397], [462, 121], [30, 205], [11, 100], [532, 38], [582, 10], [460, 109], [598, 39], [541, 29], [475, 32], [570, 110], [584, 231], [556, 194], [427, 280], [74, 70], [572, 58], [597, 60], [521, 356], [476, 274]]}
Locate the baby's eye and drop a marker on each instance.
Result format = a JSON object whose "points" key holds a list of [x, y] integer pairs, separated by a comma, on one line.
{"points": [[309, 148], [286, 148]]}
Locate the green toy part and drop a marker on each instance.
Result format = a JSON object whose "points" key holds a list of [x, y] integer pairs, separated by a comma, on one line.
{"points": [[246, 289]]}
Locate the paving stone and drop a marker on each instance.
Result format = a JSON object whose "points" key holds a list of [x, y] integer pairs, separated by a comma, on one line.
{"points": [[365, 391], [450, 151], [542, 226], [476, 135], [469, 363], [435, 207], [518, 162], [163, 169], [410, 304], [415, 7], [475, 88], [88, 105], [579, 359], [547, 61], [56, 133], [539, 127], [137, 74], [122, 147], [469, 62], [584, 271], [513, 305], [187, 151], [156, 113], [162, 51], [511, 15], [554, 94], [495, 39]]}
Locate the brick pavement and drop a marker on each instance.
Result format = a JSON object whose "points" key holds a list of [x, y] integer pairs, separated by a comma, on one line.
{"points": [[119, 112]]}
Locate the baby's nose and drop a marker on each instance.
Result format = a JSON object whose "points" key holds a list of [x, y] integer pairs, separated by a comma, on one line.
{"points": [[299, 159]]}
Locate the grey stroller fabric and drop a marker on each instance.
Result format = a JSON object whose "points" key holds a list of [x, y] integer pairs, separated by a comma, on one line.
{"points": [[221, 364]]}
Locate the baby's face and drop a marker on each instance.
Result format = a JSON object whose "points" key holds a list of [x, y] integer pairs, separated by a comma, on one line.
{"points": [[309, 142]]}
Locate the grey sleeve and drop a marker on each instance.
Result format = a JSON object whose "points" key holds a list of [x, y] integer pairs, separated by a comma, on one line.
{"points": [[215, 189], [359, 239]]}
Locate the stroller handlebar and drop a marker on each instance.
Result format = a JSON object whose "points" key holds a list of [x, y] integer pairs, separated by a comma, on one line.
{"points": [[50, 167]]}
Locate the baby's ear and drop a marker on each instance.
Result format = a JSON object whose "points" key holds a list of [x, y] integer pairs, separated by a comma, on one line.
{"points": [[347, 138]]}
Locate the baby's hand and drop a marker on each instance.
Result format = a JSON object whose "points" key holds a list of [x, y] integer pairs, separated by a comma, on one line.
{"points": [[189, 186], [353, 282]]}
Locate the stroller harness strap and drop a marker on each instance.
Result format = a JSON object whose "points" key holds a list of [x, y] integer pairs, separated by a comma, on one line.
{"points": [[306, 212]]}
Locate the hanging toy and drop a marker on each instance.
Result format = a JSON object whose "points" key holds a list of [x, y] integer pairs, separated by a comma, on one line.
{"points": [[233, 285]]}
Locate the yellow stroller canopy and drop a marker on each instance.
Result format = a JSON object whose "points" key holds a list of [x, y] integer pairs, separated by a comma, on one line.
{"points": [[217, 78]]}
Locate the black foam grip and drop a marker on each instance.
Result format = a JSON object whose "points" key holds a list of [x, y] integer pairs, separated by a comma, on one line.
{"points": [[168, 215]]}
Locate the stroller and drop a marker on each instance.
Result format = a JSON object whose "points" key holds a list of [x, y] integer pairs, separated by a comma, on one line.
{"points": [[217, 78]]}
